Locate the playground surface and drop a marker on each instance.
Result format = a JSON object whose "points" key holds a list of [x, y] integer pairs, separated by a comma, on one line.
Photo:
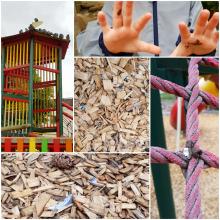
{"points": [[209, 180], [111, 104], [88, 186]]}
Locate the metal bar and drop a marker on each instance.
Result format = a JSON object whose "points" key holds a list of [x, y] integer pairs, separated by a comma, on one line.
{"points": [[161, 175], [178, 129]]}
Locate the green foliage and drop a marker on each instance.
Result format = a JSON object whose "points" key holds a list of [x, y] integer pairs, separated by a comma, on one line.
{"points": [[212, 6], [43, 98]]}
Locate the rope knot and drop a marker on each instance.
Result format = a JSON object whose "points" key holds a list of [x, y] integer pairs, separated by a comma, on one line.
{"points": [[190, 151]]}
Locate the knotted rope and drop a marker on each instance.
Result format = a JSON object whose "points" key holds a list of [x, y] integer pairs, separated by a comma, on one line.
{"points": [[192, 159]]}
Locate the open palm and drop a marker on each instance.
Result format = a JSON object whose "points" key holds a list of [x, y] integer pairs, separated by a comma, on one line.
{"points": [[124, 35], [204, 39]]}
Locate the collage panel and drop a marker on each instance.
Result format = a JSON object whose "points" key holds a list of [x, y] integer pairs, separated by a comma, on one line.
{"points": [[111, 101], [146, 28], [79, 186], [37, 110], [143, 79], [185, 138]]}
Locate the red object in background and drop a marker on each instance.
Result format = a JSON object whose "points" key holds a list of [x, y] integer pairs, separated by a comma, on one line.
{"points": [[173, 115], [215, 79]]}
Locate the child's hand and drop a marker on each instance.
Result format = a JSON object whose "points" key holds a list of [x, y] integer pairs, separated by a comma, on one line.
{"points": [[203, 40], [124, 36]]}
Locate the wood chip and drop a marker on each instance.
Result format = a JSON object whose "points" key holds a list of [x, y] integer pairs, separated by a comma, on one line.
{"points": [[41, 202], [33, 182], [107, 84]]}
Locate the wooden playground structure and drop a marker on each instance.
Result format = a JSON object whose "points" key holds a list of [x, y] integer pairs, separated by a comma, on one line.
{"points": [[31, 77]]}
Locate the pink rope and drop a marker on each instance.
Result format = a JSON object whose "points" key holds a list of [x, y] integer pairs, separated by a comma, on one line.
{"points": [[192, 160]]}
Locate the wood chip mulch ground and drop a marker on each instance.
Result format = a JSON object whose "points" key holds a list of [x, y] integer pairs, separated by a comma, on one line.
{"points": [[111, 104], [37, 185]]}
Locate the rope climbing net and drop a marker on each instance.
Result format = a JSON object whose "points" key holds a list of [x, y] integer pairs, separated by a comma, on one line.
{"points": [[192, 159]]}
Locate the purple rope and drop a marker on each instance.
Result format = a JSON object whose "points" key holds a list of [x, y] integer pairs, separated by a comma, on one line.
{"points": [[192, 160], [172, 88], [211, 61]]}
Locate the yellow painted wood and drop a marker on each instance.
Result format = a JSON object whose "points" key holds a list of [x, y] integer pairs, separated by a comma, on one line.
{"points": [[23, 111], [8, 109], [5, 110], [32, 145], [56, 58], [13, 55], [20, 51], [23, 51], [27, 52], [16, 113], [10, 56], [12, 111], [16, 63], [7, 56], [19, 113], [39, 53], [52, 57], [26, 112]]}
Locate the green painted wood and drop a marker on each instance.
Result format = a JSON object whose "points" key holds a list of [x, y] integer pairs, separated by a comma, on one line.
{"points": [[59, 92], [30, 88], [16, 96], [43, 130], [44, 145], [160, 172], [2, 81]]}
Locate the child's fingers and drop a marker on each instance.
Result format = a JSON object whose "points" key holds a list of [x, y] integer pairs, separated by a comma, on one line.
{"points": [[102, 21], [201, 22], [212, 24], [128, 17], [184, 32], [117, 14], [142, 22], [148, 48], [216, 37]]}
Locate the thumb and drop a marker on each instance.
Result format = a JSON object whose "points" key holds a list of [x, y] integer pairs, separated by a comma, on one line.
{"points": [[148, 48]]}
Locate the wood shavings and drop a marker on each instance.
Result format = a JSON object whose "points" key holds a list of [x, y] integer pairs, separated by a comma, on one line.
{"points": [[101, 185], [111, 104]]}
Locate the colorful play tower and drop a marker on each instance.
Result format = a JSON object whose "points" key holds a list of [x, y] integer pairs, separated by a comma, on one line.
{"points": [[31, 80]]}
